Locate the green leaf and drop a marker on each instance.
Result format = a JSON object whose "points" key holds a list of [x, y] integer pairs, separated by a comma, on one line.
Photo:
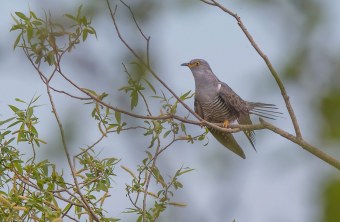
{"points": [[140, 218], [19, 100], [177, 185], [13, 124], [134, 99], [166, 133], [16, 27], [13, 108], [37, 23], [90, 30], [32, 14], [150, 86], [70, 17], [186, 95], [6, 121], [29, 113], [183, 128], [29, 33], [21, 15], [118, 116], [34, 99], [79, 12], [149, 154], [10, 140], [16, 42], [41, 141], [183, 172], [15, 20], [158, 176], [18, 166], [90, 91], [6, 132], [84, 35]]}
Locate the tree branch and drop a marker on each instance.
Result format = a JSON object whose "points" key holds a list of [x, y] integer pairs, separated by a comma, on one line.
{"points": [[302, 143], [267, 61], [298, 139]]}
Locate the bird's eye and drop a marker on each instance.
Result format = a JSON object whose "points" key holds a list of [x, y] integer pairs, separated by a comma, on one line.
{"points": [[198, 63]]}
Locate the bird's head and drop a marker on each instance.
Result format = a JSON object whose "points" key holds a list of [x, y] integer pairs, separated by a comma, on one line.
{"points": [[197, 64]]}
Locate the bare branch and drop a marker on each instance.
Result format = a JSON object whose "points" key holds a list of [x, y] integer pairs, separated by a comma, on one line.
{"points": [[147, 38], [302, 143]]}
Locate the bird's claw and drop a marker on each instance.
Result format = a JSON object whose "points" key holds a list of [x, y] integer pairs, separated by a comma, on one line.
{"points": [[225, 123]]}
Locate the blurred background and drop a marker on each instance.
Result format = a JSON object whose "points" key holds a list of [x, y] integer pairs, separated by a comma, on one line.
{"points": [[279, 182]]}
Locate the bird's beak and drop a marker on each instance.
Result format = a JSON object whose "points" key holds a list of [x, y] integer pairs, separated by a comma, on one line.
{"points": [[185, 64]]}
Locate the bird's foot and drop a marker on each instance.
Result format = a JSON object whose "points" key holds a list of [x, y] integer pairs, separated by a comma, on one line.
{"points": [[225, 123]]}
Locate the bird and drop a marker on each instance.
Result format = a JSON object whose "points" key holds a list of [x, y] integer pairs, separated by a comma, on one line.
{"points": [[216, 102]]}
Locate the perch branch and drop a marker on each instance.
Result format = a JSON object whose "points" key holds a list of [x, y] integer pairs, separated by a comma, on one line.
{"points": [[267, 61]]}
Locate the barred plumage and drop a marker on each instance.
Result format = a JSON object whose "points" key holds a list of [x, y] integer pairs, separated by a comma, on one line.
{"points": [[217, 111]]}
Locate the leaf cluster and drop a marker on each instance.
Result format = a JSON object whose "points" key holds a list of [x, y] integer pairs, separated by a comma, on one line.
{"points": [[47, 40]]}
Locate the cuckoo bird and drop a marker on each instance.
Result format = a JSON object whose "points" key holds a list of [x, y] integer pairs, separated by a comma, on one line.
{"points": [[216, 102]]}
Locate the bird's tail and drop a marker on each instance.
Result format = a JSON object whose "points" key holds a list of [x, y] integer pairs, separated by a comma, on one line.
{"points": [[228, 140], [264, 110]]}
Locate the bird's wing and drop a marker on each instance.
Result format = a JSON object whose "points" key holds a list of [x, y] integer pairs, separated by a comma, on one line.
{"points": [[239, 106], [236, 103]]}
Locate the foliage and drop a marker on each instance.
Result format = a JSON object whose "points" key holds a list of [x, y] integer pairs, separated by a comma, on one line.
{"points": [[42, 38], [32, 190], [330, 109], [331, 199], [40, 191]]}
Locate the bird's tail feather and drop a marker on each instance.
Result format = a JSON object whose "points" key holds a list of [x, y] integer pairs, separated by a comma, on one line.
{"points": [[265, 110], [228, 140]]}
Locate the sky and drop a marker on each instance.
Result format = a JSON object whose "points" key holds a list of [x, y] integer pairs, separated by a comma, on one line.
{"points": [[279, 182]]}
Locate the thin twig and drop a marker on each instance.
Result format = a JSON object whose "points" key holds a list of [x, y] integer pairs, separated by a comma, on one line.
{"points": [[149, 178], [88, 148], [147, 39], [112, 12], [73, 171]]}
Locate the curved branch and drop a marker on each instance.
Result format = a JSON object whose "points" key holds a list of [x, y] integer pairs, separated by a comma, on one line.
{"points": [[298, 139], [302, 143], [267, 61]]}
